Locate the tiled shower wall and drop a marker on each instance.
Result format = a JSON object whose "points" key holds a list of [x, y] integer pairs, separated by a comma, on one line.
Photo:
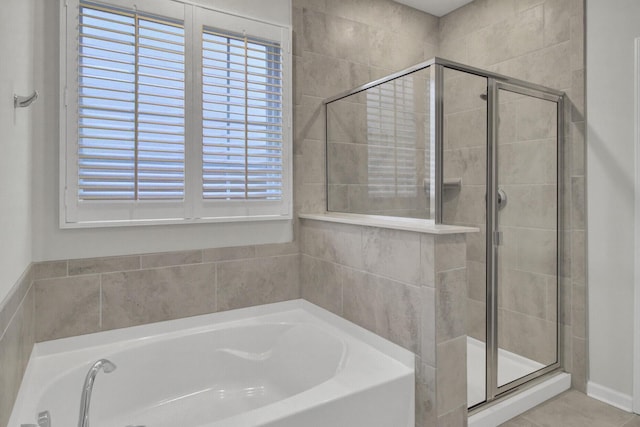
{"points": [[526, 150], [338, 45], [541, 41], [378, 149], [527, 282], [464, 157]]}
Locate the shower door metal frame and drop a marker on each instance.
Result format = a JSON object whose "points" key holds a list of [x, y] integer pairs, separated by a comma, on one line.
{"points": [[493, 389], [495, 82]]}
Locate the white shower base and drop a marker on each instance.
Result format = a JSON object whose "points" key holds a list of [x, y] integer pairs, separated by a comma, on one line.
{"points": [[510, 367]]}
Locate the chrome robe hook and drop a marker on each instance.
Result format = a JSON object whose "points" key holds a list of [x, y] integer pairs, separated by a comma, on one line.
{"points": [[24, 101]]}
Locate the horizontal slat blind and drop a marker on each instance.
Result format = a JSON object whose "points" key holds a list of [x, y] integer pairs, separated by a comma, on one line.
{"points": [[131, 105], [242, 117], [391, 138]]}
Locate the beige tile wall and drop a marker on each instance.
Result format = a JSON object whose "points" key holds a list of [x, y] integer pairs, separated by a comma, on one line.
{"points": [[407, 287], [338, 45], [527, 173], [378, 149], [527, 283], [17, 334], [541, 41], [464, 155], [74, 297]]}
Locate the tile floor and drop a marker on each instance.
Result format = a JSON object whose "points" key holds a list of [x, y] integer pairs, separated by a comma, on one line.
{"points": [[574, 409]]}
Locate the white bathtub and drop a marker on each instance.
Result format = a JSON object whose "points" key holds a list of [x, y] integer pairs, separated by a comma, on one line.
{"points": [[290, 364]]}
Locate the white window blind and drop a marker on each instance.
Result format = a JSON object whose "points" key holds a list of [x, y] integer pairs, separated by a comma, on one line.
{"points": [[174, 113], [131, 105], [391, 139], [242, 117]]}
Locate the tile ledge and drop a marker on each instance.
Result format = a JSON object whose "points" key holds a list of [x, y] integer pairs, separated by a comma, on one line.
{"points": [[391, 222]]}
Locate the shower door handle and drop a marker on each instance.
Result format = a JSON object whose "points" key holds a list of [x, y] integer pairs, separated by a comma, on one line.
{"points": [[502, 198]]}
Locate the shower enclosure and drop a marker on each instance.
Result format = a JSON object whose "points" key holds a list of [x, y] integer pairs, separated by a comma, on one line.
{"points": [[457, 145]]}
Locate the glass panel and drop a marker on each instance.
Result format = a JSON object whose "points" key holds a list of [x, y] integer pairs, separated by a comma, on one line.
{"points": [[528, 223], [463, 198], [378, 149]]}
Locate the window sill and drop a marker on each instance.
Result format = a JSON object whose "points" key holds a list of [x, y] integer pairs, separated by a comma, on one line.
{"points": [[172, 221], [394, 223]]}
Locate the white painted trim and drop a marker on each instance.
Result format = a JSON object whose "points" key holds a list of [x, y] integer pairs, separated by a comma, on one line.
{"points": [[636, 299], [610, 396], [521, 402]]}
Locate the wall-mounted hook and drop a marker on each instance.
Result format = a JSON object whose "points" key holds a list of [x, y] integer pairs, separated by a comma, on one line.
{"points": [[24, 101]]}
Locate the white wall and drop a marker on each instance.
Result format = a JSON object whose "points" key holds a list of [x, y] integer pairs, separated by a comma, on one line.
{"points": [[612, 27], [50, 242], [16, 75]]}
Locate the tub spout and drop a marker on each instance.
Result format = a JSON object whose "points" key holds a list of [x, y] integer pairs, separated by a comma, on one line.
{"points": [[85, 400]]}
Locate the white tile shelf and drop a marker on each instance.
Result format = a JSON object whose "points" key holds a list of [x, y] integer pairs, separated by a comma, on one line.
{"points": [[391, 222]]}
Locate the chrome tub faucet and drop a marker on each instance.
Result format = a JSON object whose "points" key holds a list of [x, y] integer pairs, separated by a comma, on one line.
{"points": [[85, 401]]}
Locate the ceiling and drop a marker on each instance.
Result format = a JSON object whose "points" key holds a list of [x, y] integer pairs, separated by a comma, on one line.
{"points": [[435, 7]]}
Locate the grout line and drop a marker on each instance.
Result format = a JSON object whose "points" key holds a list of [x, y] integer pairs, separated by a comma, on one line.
{"points": [[100, 304], [215, 287]]}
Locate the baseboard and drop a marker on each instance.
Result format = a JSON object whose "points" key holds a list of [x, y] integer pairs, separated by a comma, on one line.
{"points": [[610, 396]]}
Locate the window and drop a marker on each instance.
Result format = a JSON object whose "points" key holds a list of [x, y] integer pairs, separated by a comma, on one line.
{"points": [[391, 139], [242, 117], [177, 115]]}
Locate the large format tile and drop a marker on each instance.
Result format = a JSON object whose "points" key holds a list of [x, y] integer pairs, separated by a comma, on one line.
{"points": [[342, 37], [15, 297], [391, 253], [452, 375], [523, 292], [67, 307], [527, 162], [275, 249], [427, 260], [339, 243], [49, 269], [451, 304], [536, 251], [633, 422], [168, 259], [593, 408], [10, 370], [103, 265], [321, 283], [520, 422], [528, 336], [146, 296], [573, 408], [428, 325], [228, 254], [347, 122], [386, 307], [247, 283], [533, 206], [450, 252], [425, 395]]}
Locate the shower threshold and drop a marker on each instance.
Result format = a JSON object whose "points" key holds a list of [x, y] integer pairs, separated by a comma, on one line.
{"points": [[511, 367]]}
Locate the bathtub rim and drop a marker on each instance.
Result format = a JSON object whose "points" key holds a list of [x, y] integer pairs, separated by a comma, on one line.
{"points": [[211, 321]]}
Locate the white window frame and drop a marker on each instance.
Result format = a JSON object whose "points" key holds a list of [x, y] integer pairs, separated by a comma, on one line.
{"points": [[194, 209]]}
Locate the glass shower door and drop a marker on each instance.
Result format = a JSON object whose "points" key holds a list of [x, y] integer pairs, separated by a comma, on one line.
{"points": [[525, 242]]}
